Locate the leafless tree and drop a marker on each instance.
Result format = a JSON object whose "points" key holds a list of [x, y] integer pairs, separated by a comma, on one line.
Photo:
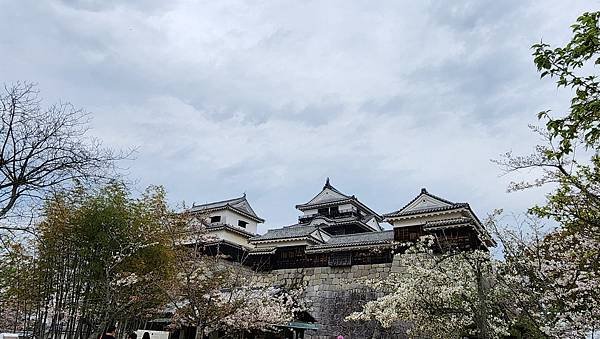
{"points": [[42, 149]]}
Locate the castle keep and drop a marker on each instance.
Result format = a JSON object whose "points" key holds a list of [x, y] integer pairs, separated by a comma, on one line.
{"points": [[336, 240]]}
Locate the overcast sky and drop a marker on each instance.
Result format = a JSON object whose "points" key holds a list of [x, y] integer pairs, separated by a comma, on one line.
{"points": [[272, 97]]}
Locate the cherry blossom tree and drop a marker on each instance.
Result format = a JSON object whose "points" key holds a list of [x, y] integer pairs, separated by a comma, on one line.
{"points": [[451, 295], [560, 270], [216, 295], [554, 277], [264, 308]]}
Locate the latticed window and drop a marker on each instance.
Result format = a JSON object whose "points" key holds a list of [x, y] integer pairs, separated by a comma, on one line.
{"points": [[340, 259]]}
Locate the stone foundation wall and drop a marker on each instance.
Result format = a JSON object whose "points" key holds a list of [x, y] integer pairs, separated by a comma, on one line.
{"points": [[333, 293]]}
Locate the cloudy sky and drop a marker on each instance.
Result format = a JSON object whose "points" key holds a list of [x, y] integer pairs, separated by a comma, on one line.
{"points": [[272, 97]]}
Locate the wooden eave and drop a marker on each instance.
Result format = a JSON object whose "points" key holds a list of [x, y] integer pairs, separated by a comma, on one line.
{"points": [[230, 228]]}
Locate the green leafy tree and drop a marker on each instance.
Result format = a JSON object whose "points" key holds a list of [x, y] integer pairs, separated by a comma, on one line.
{"points": [[568, 278], [17, 287], [548, 286], [102, 255]]}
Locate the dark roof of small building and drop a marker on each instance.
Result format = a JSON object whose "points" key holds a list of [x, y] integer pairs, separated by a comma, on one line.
{"points": [[361, 238], [234, 229], [448, 222], [357, 241], [240, 205], [292, 231], [426, 210]]}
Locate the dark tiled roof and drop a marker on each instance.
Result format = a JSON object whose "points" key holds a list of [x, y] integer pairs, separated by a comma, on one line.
{"points": [[230, 228], [292, 231], [262, 250], [461, 222], [366, 219], [330, 187], [325, 203], [346, 220], [361, 238], [238, 204], [448, 222], [426, 210]]}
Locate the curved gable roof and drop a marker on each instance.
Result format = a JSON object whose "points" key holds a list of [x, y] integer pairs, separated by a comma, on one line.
{"points": [[327, 194], [240, 205], [425, 202], [330, 195]]}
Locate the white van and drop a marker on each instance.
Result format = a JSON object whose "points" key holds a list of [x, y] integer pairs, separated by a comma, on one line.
{"points": [[153, 334]]}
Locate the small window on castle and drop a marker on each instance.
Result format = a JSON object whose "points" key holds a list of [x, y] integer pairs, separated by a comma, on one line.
{"points": [[242, 223], [214, 219]]}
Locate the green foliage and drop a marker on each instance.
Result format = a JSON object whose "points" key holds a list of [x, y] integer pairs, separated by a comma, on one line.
{"points": [[563, 63], [17, 285], [103, 254], [559, 273], [576, 201]]}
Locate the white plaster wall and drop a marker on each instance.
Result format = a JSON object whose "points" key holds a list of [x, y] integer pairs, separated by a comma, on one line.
{"points": [[373, 223], [346, 207], [230, 236], [231, 218]]}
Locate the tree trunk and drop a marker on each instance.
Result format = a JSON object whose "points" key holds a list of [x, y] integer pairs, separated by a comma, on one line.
{"points": [[98, 332], [199, 332]]}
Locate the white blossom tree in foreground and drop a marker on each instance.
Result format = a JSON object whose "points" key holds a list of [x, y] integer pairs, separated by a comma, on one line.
{"points": [[260, 309], [218, 296], [454, 295], [555, 279], [546, 286]]}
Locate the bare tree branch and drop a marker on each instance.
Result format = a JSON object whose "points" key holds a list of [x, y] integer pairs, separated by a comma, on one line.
{"points": [[44, 149]]}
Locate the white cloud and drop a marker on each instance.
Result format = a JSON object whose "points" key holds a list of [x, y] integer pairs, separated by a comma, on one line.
{"points": [[272, 97]]}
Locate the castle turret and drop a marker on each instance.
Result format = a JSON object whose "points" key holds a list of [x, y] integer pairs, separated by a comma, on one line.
{"points": [[454, 225]]}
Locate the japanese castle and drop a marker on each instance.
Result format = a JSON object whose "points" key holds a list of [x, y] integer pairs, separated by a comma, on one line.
{"points": [[336, 229]]}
